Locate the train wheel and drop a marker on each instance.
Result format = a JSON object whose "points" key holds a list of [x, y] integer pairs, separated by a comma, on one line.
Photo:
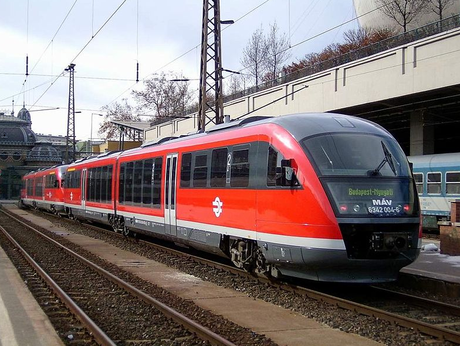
{"points": [[242, 254], [126, 232]]}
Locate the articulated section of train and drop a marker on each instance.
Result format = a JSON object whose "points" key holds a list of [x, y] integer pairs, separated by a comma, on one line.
{"points": [[325, 197]]}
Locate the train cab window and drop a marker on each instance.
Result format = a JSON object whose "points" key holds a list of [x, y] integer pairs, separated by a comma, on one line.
{"points": [[453, 183], [433, 183], [274, 167], [240, 168], [418, 177], [200, 172], [219, 167], [186, 170]]}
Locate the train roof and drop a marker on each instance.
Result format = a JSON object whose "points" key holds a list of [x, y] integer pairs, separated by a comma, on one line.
{"points": [[299, 125], [310, 124], [435, 160]]}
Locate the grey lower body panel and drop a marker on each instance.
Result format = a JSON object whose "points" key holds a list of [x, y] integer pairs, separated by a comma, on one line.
{"points": [[335, 265]]}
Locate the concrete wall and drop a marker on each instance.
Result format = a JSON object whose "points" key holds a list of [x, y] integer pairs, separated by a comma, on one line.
{"points": [[423, 65]]}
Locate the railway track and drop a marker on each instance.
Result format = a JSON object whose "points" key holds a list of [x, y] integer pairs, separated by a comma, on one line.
{"points": [[110, 310], [395, 312]]}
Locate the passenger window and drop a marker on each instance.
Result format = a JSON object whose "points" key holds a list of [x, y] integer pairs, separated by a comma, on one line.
{"points": [[219, 167], [186, 170], [109, 183], [433, 183], [121, 186], [418, 177], [240, 168], [453, 183], [157, 173], [147, 183], [129, 182], [137, 181], [200, 172]]}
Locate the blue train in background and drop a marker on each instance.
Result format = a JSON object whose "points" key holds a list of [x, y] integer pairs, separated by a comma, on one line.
{"points": [[437, 178]]}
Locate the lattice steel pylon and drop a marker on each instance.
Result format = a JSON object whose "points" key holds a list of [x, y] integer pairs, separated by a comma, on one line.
{"points": [[70, 138], [211, 58]]}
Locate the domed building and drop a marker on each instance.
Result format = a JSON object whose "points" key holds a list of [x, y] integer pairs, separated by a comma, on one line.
{"points": [[21, 152], [369, 17]]}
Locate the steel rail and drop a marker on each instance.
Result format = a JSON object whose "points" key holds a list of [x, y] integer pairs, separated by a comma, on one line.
{"points": [[98, 334], [192, 326], [422, 327], [420, 301]]}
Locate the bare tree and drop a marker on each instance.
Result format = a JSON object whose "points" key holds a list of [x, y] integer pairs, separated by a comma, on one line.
{"points": [[254, 56], [235, 84], [277, 51], [116, 112], [439, 7], [167, 95], [403, 12]]}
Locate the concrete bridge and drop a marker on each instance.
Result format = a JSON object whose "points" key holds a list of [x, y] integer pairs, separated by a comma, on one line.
{"points": [[413, 90]]}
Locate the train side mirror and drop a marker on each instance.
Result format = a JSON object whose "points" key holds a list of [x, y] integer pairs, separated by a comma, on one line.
{"points": [[288, 177], [411, 166]]}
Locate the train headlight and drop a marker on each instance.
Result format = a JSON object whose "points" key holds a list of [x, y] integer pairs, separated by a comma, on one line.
{"points": [[343, 208], [356, 208], [406, 208]]}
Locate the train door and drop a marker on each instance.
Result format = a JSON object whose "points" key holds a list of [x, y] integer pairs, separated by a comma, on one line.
{"points": [[83, 187], [170, 194]]}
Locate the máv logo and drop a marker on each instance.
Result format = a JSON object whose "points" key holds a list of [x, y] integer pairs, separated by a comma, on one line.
{"points": [[217, 206]]}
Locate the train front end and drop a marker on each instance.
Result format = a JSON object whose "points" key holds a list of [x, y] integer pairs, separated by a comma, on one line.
{"points": [[368, 183]]}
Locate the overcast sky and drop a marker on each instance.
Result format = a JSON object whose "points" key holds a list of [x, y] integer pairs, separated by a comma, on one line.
{"points": [[156, 33]]}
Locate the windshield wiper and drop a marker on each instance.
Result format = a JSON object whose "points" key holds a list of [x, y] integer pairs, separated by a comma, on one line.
{"points": [[387, 159]]}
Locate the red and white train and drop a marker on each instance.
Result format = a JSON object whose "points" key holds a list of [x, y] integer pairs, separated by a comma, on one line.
{"points": [[325, 197], [44, 189]]}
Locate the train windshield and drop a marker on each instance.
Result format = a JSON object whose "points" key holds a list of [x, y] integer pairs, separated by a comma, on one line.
{"points": [[354, 154], [364, 175]]}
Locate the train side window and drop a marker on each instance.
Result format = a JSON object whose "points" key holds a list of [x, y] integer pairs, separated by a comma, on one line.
{"points": [[109, 183], [97, 195], [433, 183], [453, 183], [137, 181], [129, 182], [147, 183], [157, 174], [219, 167], [200, 172], [418, 177], [104, 181], [240, 168], [121, 183], [186, 170]]}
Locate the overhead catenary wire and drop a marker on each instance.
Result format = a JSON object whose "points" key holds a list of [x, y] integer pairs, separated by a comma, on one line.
{"points": [[78, 54]]}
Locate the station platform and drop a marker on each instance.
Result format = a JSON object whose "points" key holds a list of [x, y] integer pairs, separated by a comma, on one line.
{"points": [[432, 264], [22, 321]]}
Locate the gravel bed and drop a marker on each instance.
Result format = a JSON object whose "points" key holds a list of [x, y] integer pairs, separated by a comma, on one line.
{"points": [[347, 321], [218, 324]]}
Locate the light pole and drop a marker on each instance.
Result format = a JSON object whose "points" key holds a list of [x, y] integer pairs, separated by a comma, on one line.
{"points": [[91, 131]]}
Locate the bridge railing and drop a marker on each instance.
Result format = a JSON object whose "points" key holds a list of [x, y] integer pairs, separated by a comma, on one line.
{"points": [[386, 44]]}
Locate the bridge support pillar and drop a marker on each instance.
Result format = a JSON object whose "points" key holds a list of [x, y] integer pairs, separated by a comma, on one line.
{"points": [[421, 133]]}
